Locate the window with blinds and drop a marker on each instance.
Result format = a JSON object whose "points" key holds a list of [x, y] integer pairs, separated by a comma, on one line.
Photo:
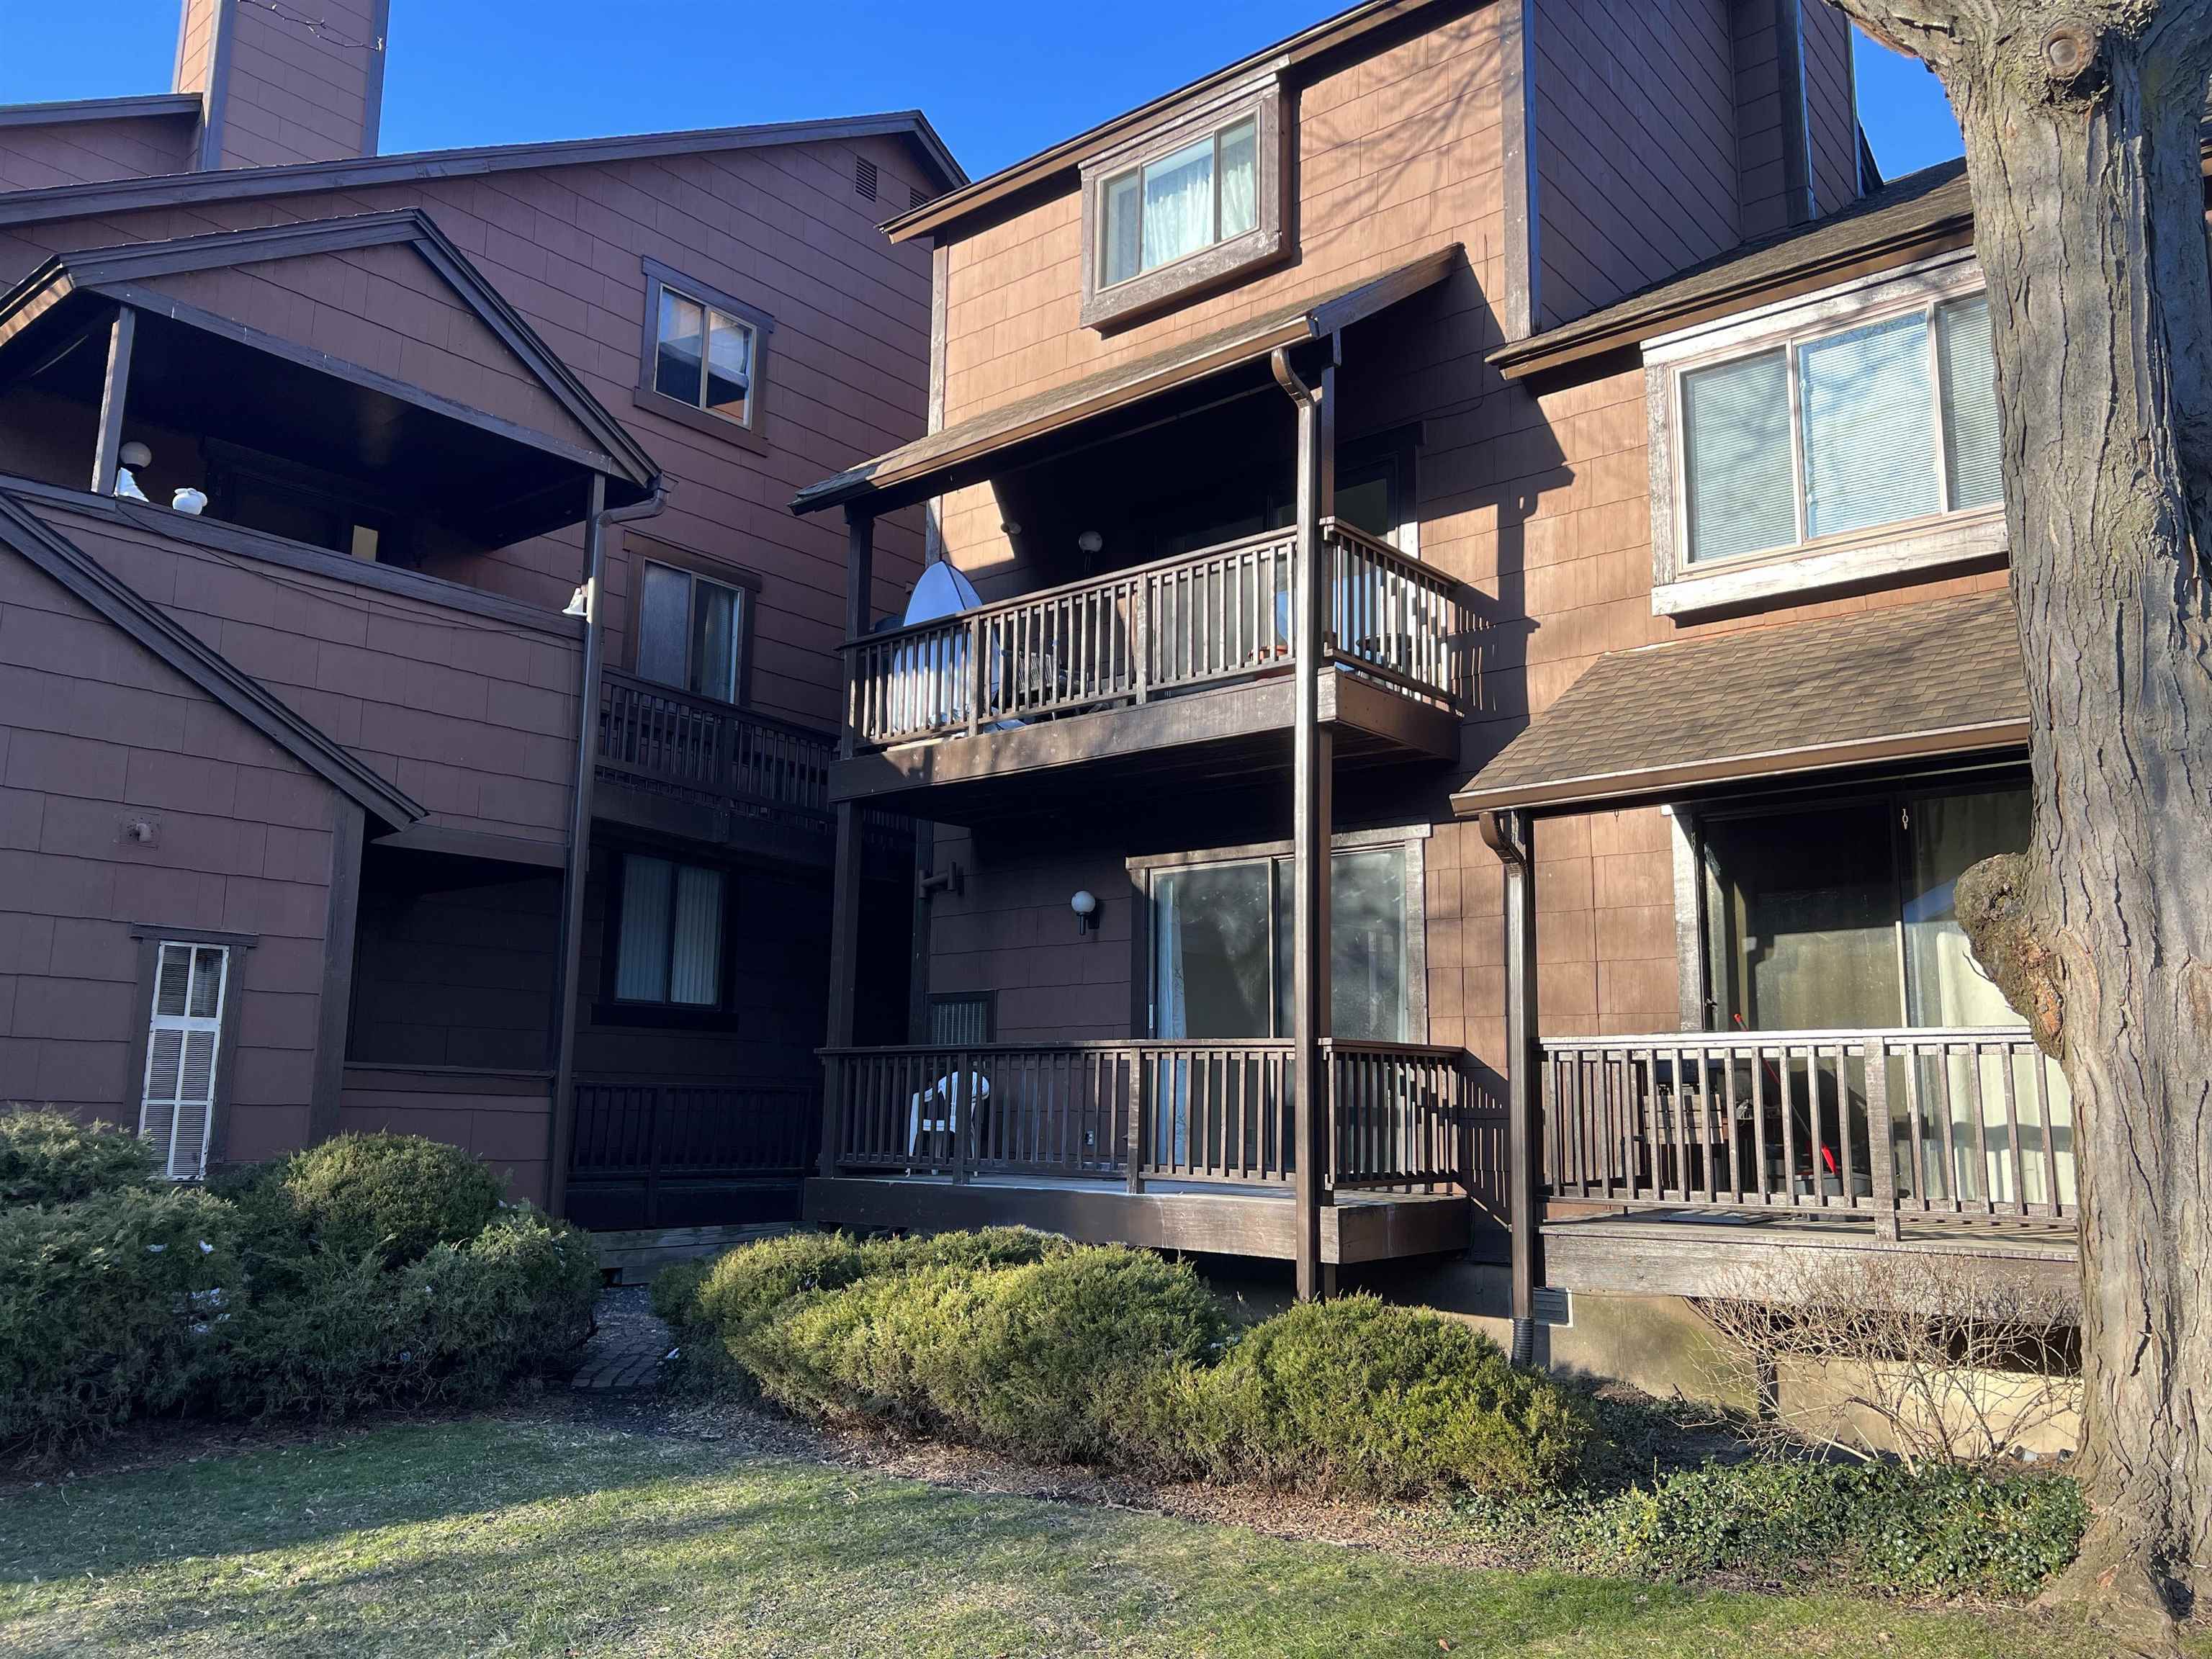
{"points": [[668, 946], [1847, 431], [691, 633], [176, 1109]]}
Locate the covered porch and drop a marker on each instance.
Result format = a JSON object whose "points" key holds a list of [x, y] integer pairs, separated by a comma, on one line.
{"points": [[1843, 1077]]}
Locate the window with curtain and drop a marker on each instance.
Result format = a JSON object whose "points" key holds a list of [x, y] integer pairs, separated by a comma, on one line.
{"points": [[1844, 431], [1205, 192], [691, 632], [1222, 955], [668, 947]]}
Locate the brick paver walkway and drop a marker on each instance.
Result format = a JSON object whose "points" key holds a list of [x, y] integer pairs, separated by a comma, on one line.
{"points": [[626, 1349]]}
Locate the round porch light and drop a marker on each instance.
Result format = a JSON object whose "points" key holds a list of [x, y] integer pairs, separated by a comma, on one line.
{"points": [[1084, 903]]}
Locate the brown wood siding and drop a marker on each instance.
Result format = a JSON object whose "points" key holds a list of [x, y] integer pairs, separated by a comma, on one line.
{"points": [[474, 719], [1763, 204], [94, 732], [1398, 154], [1635, 145], [93, 152], [453, 976], [289, 94], [385, 310], [501, 1118], [1830, 114], [781, 228]]}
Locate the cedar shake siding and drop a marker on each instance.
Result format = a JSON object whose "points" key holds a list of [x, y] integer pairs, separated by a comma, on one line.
{"points": [[96, 733], [475, 719], [782, 229], [77, 147]]}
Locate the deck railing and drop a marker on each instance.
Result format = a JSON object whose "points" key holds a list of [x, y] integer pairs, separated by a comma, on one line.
{"points": [[1200, 619], [661, 735], [1191, 1111], [1887, 1124]]}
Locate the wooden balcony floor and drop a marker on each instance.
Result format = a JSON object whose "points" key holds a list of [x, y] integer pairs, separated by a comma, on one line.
{"points": [[1206, 1218], [1214, 735]]}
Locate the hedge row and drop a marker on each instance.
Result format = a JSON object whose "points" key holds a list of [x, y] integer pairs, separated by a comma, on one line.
{"points": [[368, 1270], [1053, 1351]]}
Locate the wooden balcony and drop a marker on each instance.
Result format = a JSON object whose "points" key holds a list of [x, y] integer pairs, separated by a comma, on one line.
{"points": [[1183, 665], [1176, 1145], [657, 1154], [709, 771], [1960, 1140]]}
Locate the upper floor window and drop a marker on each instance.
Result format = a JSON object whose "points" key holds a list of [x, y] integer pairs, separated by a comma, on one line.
{"points": [[1891, 420], [1826, 441], [1184, 209], [704, 354], [691, 632]]}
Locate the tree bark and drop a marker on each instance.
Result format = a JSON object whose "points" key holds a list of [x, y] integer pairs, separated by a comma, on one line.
{"points": [[2083, 157]]}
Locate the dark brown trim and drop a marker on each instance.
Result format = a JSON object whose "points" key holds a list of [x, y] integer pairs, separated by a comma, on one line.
{"points": [[1220, 264], [379, 30], [476, 844], [1339, 31], [241, 694], [114, 395], [151, 937], [170, 106], [1798, 184], [1617, 787], [203, 531], [335, 1017], [560, 1127], [182, 190], [448, 1079]]}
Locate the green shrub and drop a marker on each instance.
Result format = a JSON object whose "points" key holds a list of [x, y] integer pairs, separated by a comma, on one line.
{"points": [[1353, 1395], [110, 1308], [395, 1196], [47, 1158]]}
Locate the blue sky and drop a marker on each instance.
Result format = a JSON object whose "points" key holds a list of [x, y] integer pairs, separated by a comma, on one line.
{"points": [[491, 71]]}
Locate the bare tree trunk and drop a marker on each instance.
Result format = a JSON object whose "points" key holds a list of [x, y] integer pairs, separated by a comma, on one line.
{"points": [[2082, 153]]}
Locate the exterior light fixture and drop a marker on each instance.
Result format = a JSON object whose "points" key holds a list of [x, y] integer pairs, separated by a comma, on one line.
{"points": [[1091, 541], [1085, 906]]}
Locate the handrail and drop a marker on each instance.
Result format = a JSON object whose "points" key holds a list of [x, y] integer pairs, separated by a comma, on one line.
{"points": [[713, 706]]}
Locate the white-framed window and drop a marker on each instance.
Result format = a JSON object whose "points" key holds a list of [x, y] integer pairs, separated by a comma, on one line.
{"points": [[668, 949], [1826, 441], [691, 632], [184, 1050]]}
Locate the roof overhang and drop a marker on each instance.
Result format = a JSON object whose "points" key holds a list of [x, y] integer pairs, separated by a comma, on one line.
{"points": [[989, 442], [1904, 682], [159, 106]]}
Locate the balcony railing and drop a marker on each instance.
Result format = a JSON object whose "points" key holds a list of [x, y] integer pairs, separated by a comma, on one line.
{"points": [[1402, 1115], [1883, 1125], [1201, 619], [660, 735], [640, 1144]]}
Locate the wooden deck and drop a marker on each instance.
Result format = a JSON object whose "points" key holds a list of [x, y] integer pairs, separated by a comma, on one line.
{"points": [[1192, 1216]]}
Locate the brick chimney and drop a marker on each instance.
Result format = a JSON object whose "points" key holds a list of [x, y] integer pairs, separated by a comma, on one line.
{"points": [[283, 80]]}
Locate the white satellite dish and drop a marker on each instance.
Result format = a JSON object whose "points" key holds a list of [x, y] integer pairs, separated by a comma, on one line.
{"points": [[938, 678]]}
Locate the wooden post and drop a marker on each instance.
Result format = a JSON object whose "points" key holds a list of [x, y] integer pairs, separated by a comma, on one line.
{"points": [[1508, 836], [108, 447], [849, 865], [1881, 1144], [560, 1132], [1311, 814]]}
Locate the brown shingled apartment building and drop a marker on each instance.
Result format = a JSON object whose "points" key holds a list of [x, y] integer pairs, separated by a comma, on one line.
{"points": [[1489, 648], [1423, 639], [333, 486]]}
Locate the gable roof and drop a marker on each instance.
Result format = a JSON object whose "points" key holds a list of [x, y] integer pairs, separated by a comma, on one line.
{"points": [[917, 469], [84, 576], [1324, 36], [1938, 678], [233, 183], [118, 272]]}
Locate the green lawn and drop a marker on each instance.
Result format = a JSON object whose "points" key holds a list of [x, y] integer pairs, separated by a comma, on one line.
{"points": [[559, 1537]]}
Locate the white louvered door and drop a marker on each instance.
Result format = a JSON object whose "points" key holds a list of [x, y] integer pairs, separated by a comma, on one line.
{"points": [[177, 1103]]}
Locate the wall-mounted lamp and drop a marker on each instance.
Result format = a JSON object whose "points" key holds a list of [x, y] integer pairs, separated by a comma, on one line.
{"points": [[1091, 542], [1085, 906]]}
